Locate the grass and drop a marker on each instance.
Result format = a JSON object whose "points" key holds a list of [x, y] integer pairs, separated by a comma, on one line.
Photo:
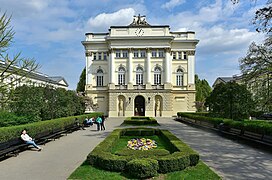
{"points": [[200, 171], [122, 142]]}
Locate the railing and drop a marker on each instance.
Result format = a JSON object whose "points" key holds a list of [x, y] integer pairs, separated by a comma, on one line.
{"points": [[120, 86], [139, 86], [158, 86]]}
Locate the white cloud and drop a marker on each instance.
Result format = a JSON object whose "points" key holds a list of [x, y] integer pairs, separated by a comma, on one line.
{"points": [[172, 3], [103, 21]]}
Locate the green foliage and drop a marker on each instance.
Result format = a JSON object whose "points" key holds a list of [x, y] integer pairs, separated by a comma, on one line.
{"points": [[257, 126], [203, 90], [256, 67], [140, 120], [12, 66], [230, 100], [42, 103], [82, 81], [201, 170], [103, 157], [142, 168], [142, 154], [10, 119]]}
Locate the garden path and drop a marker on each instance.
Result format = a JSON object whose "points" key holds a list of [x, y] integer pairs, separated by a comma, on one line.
{"points": [[229, 158], [58, 159]]}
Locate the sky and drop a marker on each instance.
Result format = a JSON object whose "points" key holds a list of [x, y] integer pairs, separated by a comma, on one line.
{"points": [[51, 31]]}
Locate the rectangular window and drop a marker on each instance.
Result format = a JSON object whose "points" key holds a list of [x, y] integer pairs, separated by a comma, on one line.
{"points": [[118, 53], [157, 79], [174, 55], [184, 55], [121, 79], [139, 79], [179, 55], [179, 80], [154, 53], [161, 53], [136, 54], [142, 53], [99, 56], [94, 56], [125, 54], [99, 81], [105, 56]]}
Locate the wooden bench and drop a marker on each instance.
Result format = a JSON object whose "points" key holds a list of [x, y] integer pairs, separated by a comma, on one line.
{"points": [[11, 147], [253, 135]]}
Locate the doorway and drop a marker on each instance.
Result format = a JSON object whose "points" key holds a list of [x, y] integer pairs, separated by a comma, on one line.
{"points": [[139, 106]]}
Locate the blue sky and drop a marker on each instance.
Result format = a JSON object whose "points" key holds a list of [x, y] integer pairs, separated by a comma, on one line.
{"points": [[51, 31]]}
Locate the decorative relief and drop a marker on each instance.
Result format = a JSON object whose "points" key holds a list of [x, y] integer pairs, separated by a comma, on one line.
{"points": [[88, 53], [191, 53]]}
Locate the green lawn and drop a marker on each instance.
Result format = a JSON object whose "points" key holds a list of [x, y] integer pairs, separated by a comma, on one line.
{"points": [[122, 143], [200, 171]]}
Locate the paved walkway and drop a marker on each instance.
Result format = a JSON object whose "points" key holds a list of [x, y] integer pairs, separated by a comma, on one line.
{"points": [[60, 158], [230, 159]]}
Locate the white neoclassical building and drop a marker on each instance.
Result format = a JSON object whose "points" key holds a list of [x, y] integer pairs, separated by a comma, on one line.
{"points": [[141, 69]]}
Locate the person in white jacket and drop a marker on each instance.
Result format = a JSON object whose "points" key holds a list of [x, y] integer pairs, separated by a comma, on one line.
{"points": [[28, 140]]}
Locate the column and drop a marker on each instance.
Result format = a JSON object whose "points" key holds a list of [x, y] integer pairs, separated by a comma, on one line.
{"points": [[130, 67], [168, 67], [148, 67], [89, 61], [191, 67], [111, 67]]}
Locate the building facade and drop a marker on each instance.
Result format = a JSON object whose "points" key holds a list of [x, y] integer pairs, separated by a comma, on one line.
{"points": [[14, 80], [141, 69]]}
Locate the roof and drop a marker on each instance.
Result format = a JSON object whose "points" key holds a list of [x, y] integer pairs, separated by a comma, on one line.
{"points": [[38, 75], [226, 79]]}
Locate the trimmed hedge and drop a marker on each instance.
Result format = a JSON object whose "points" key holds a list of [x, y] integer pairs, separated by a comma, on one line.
{"points": [[142, 168], [256, 126], [182, 157], [140, 120], [34, 129], [142, 154]]}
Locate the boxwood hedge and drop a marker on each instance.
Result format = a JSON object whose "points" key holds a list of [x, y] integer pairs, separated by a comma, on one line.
{"points": [[256, 126], [34, 129], [181, 157], [140, 120]]}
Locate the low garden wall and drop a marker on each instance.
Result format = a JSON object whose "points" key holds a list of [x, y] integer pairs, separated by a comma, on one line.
{"points": [[140, 120]]}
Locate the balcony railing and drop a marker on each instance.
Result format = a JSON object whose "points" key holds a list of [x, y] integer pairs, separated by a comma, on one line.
{"points": [[120, 86], [139, 86], [158, 86]]}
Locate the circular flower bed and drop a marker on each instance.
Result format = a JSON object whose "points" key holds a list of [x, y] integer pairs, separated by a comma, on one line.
{"points": [[141, 144]]}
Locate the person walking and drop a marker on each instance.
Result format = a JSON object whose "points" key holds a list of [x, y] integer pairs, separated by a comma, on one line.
{"points": [[98, 121], [28, 140], [103, 123]]}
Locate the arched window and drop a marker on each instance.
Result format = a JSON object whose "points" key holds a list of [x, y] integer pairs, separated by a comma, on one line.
{"points": [[179, 77], [157, 75], [121, 76], [139, 75], [99, 77]]}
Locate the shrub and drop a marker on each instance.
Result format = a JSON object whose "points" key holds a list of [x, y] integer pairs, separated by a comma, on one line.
{"points": [[182, 155], [34, 129], [138, 154], [142, 168], [140, 120], [261, 127]]}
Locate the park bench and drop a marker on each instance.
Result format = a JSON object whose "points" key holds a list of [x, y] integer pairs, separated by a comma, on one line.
{"points": [[72, 127], [11, 147]]}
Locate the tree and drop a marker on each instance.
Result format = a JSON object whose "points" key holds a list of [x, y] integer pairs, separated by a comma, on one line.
{"points": [[203, 90], [262, 19], [256, 67], [12, 69], [82, 81], [230, 100]]}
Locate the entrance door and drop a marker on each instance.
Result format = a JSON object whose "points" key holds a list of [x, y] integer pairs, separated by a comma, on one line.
{"points": [[139, 106]]}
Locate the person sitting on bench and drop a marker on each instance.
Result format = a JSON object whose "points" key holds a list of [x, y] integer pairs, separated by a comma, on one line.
{"points": [[28, 140]]}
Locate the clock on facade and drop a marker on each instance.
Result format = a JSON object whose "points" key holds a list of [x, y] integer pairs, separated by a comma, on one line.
{"points": [[139, 32]]}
